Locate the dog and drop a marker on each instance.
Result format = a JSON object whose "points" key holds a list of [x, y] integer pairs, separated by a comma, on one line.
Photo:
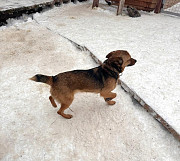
{"points": [[101, 79]]}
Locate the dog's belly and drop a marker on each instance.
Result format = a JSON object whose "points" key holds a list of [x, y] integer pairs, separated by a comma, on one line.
{"points": [[88, 90]]}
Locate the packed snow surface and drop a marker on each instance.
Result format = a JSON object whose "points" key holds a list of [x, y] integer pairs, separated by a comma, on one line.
{"points": [[30, 128], [152, 39]]}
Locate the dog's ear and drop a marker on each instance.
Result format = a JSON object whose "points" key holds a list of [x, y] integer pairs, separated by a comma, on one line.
{"points": [[117, 63], [110, 54], [117, 53]]}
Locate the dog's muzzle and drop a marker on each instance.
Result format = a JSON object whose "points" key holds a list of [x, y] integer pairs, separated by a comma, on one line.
{"points": [[133, 61]]}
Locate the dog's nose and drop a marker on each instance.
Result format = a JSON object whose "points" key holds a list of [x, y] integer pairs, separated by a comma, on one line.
{"points": [[133, 61]]}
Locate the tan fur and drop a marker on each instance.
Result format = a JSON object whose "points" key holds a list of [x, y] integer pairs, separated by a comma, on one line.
{"points": [[101, 80]]}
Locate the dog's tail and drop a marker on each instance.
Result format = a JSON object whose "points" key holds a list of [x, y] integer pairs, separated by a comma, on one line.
{"points": [[42, 78]]}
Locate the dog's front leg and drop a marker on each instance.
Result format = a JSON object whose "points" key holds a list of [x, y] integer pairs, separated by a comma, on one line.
{"points": [[61, 111], [108, 97]]}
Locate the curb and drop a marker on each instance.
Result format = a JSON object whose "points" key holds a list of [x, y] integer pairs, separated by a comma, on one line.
{"points": [[17, 12]]}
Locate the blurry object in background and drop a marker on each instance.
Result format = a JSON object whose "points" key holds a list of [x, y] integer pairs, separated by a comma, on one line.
{"points": [[133, 12]]}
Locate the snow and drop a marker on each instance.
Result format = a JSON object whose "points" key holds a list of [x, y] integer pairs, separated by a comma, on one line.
{"points": [[175, 8], [152, 39], [12, 4], [30, 128]]}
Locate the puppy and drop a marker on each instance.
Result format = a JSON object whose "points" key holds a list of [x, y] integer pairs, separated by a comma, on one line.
{"points": [[101, 79]]}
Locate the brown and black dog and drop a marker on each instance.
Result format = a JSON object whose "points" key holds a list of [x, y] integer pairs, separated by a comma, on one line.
{"points": [[101, 79]]}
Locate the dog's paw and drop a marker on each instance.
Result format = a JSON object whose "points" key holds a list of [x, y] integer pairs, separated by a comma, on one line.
{"points": [[67, 116], [111, 102]]}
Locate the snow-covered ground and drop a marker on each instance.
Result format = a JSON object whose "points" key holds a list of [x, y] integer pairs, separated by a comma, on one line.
{"points": [[152, 39], [9, 4], [175, 8], [31, 130]]}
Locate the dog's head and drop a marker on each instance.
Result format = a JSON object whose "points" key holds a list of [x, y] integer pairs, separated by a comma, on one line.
{"points": [[119, 59]]}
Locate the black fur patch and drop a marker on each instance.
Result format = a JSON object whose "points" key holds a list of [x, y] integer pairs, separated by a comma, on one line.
{"points": [[112, 73], [97, 74], [41, 78], [108, 99], [117, 67], [38, 77], [54, 78]]}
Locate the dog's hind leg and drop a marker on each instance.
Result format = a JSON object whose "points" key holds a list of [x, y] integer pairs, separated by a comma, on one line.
{"points": [[108, 97], [52, 101], [64, 105]]}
